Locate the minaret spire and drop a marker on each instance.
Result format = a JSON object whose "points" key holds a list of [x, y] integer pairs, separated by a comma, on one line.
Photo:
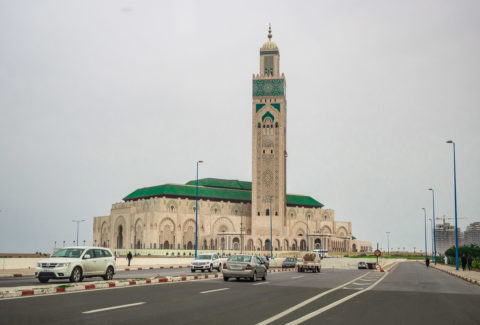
{"points": [[269, 32]]}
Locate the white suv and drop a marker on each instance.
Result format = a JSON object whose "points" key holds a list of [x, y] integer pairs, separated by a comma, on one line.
{"points": [[206, 262], [76, 263]]}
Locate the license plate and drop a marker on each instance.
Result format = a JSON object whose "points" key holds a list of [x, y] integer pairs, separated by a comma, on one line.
{"points": [[235, 267], [47, 270], [305, 263]]}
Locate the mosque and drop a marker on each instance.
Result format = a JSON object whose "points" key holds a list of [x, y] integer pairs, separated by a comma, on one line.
{"points": [[233, 214]]}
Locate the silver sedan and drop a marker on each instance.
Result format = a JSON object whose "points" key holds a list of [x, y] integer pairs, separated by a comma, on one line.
{"points": [[244, 266]]}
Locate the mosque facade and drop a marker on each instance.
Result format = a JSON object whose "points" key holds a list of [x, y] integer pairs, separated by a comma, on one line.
{"points": [[233, 214]]}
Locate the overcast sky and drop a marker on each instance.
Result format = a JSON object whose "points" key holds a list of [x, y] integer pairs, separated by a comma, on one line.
{"points": [[99, 98]]}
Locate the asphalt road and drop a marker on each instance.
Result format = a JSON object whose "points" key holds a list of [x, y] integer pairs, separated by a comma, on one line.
{"points": [[410, 294], [30, 280]]}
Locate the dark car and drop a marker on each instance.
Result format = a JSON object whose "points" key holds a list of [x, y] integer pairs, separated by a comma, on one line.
{"points": [[289, 262], [362, 265], [264, 261]]}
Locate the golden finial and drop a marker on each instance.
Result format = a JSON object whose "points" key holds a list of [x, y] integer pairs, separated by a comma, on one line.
{"points": [[269, 32]]}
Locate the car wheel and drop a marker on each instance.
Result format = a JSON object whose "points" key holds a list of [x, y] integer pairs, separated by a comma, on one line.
{"points": [[264, 278], [193, 270], [254, 277], [43, 280], [76, 275], [109, 274], [225, 278]]}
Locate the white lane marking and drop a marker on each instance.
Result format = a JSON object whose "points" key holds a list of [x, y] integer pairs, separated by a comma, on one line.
{"points": [[215, 290], [352, 288], [303, 303], [334, 304], [297, 277], [110, 308], [257, 284]]}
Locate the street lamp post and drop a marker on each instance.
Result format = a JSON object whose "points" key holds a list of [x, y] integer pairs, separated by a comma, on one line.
{"points": [[425, 221], [388, 242], [434, 251], [196, 210], [271, 237], [455, 194], [78, 224], [306, 223], [431, 228], [223, 242]]}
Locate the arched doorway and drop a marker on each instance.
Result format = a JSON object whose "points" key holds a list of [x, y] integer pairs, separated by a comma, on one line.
{"points": [[318, 243], [294, 245], [120, 237], [205, 246], [250, 246], [166, 245], [236, 243], [267, 244], [303, 245], [189, 245], [354, 248]]}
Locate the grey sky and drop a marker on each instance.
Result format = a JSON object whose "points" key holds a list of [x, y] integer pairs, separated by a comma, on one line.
{"points": [[98, 98]]}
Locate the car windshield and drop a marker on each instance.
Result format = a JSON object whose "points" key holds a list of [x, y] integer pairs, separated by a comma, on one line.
{"points": [[69, 252], [240, 258], [204, 257], [291, 259]]}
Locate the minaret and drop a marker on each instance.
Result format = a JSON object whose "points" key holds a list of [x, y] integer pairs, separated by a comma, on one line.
{"points": [[269, 153]]}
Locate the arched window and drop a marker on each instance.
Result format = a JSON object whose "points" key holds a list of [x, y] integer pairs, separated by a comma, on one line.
{"points": [[267, 212], [259, 125], [276, 124]]}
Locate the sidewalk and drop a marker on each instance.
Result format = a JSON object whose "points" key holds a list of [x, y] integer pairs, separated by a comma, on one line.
{"points": [[470, 276]]}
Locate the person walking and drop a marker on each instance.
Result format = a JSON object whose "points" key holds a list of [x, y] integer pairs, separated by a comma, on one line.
{"points": [[129, 257], [464, 261], [427, 262], [469, 262]]}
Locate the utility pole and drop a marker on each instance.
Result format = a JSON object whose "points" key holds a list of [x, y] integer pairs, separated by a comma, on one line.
{"points": [[388, 242]]}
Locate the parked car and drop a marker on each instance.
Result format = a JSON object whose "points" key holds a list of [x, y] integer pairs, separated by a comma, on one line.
{"points": [[206, 262], [265, 261], [244, 266], [77, 263], [362, 265], [289, 262]]}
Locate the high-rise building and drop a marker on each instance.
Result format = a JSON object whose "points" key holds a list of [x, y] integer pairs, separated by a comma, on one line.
{"points": [[445, 237], [472, 234]]}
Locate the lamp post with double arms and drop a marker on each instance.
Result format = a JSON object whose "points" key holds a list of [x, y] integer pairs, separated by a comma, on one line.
{"points": [[78, 224], [434, 251], [425, 221], [388, 242], [455, 196], [431, 233], [196, 211]]}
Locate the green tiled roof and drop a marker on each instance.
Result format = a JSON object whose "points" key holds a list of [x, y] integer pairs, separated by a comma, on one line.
{"points": [[215, 189], [224, 183]]}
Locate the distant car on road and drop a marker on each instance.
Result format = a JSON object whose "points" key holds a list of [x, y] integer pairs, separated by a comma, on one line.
{"points": [[362, 265], [77, 263], [244, 266], [206, 262], [311, 262], [289, 262]]}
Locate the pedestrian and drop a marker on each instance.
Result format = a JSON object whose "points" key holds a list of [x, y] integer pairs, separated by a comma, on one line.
{"points": [[427, 262], [445, 260], [469, 262], [129, 257], [464, 261]]}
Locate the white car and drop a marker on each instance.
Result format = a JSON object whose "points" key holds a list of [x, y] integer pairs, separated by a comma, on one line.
{"points": [[76, 263], [206, 262]]}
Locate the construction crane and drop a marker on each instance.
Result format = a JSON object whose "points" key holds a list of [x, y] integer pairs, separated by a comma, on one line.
{"points": [[449, 218]]}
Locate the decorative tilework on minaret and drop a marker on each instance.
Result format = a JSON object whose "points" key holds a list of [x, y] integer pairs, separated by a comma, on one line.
{"points": [[269, 144]]}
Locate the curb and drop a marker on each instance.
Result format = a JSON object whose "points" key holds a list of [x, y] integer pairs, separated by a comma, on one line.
{"points": [[14, 275], [113, 284], [466, 278], [140, 268]]}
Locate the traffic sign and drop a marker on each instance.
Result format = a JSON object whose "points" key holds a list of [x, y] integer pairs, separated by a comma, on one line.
{"points": [[377, 253]]}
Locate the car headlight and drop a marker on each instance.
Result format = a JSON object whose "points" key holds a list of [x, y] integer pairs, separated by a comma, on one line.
{"points": [[63, 264]]}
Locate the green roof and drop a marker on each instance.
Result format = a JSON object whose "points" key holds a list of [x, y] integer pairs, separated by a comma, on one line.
{"points": [[224, 183], [214, 189]]}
